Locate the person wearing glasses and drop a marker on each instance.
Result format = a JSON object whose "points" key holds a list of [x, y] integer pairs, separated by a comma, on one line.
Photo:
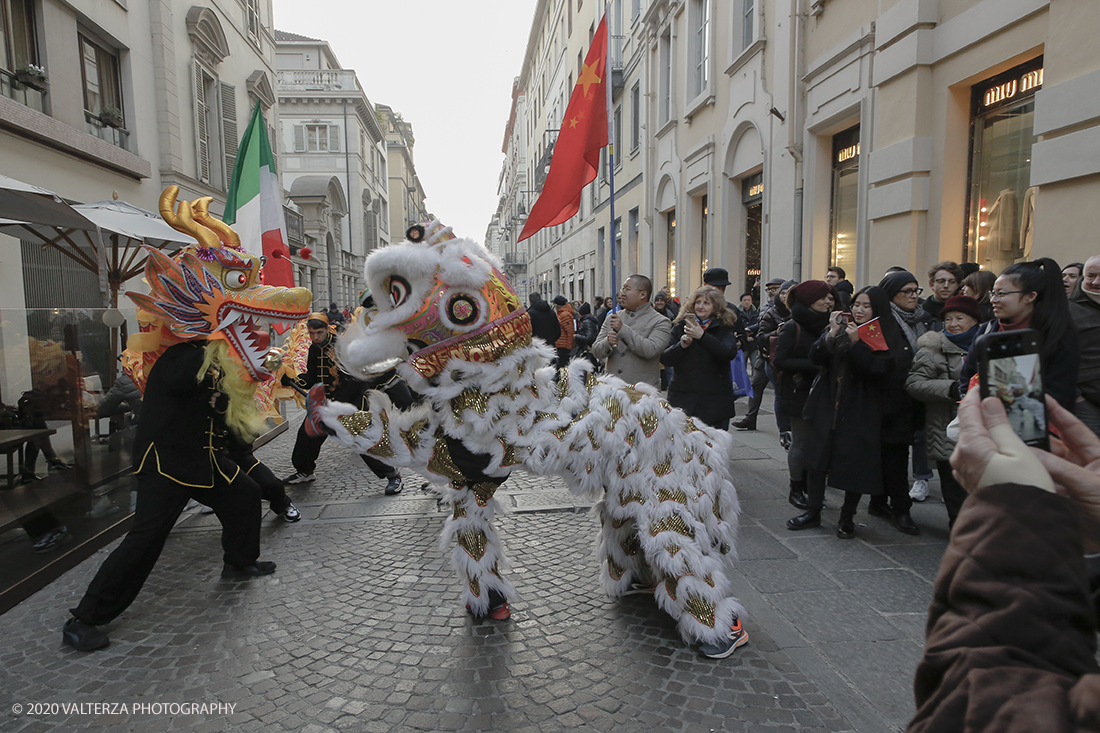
{"points": [[1032, 295], [944, 279]]}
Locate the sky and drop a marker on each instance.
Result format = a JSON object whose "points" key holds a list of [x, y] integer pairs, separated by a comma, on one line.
{"points": [[447, 67]]}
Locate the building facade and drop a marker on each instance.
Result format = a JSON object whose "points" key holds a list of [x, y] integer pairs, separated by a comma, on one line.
{"points": [[334, 167], [779, 137], [406, 192]]}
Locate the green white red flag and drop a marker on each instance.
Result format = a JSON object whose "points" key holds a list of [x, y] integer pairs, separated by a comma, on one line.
{"points": [[577, 150], [254, 205]]}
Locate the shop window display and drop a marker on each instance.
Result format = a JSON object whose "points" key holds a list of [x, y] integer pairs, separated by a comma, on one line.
{"points": [[1001, 199], [843, 245]]}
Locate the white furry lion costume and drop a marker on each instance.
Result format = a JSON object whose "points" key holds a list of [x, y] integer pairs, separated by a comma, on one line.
{"points": [[492, 403]]}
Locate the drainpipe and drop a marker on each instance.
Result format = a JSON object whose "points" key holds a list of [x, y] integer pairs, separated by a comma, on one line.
{"points": [[796, 128]]}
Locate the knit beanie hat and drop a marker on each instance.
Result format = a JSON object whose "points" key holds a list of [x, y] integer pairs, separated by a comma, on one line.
{"points": [[962, 304], [560, 300], [810, 292], [895, 281], [586, 309]]}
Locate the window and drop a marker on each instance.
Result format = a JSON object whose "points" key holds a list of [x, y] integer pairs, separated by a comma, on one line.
{"points": [[99, 74], [617, 126], [316, 138], [617, 18], [215, 128], [843, 219], [635, 9], [635, 117], [17, 38], [569, 16], [252, 12], [665, 60], [700, 46], [746, 24]]}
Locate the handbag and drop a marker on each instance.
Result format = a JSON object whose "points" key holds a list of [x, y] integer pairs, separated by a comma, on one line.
{"points": [[742, 385]]}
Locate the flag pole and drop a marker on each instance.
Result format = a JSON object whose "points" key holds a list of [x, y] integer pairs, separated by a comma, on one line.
{"points": [[611, 142]]}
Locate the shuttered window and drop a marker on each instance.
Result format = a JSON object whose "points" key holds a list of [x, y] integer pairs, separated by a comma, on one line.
{"points": [[316, 138], [202, 137], [229, 129]]}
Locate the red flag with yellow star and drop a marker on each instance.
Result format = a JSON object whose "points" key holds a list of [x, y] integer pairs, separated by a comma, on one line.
{"points": [[870, 333], [577, 151]]}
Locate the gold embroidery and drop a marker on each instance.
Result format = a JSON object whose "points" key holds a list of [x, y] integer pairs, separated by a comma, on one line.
{"points": [[475, 587], [634, 395], [488, 344], [356, 422], [700, 609], [663, 468], [592, 439], [474, 543], [615, 409], [630, 496], [412, 435], [671, 524], [672, 550], [460, 511], [483, 492], [677, 495], [442, 464], [631, 546], [509, 457], [614, 569], [670, 586], [382, 448], [563, 383], [649, 424], [590, 382]]}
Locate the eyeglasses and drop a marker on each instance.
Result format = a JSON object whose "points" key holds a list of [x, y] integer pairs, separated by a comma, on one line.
{"points": [[912, 291], [1000, 294], [944, 281]]}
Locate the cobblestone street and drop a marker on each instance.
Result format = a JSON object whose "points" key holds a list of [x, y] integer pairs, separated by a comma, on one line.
{"points": [[361, 627]]}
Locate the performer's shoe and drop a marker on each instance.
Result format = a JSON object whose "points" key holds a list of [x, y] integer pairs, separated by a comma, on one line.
{"points": [[298, 478], [737, 637], [53, 539], [746, 423], [904, 522], [83, 637], [230, 572], [290, 514], [394, 486], [501, 612]]}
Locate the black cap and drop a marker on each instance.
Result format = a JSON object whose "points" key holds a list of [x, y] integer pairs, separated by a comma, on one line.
{"points": [[716, 276], [775, 281], [560, 300]]}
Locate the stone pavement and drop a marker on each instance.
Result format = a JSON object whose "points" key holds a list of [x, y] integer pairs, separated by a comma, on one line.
{"points": [[360, 628]]}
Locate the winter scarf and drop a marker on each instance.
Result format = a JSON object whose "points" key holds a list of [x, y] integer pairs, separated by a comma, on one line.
{"points": [[964, 339], [911, 322]]}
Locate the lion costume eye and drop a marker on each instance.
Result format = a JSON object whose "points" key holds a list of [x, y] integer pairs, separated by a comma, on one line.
{"points": [[235, 279], [399, 290]]}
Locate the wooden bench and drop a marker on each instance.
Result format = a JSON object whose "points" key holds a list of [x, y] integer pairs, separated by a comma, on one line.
{"points": [[12, 440]]}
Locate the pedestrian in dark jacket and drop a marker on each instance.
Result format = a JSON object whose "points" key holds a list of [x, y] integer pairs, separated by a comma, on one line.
{"points": [[702, 344], [1011, 631], [585, 335], [771, 319], [564, 344], [544, 322], [810, 304], [1084, 309], [1031, 295]]}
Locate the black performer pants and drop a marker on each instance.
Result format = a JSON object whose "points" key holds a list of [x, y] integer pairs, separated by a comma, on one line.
{"points": [[159, 503], [271, 488], [307, 448]]}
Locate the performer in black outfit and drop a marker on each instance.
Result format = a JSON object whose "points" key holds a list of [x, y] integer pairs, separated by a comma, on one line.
{"points": [[322, 368], [180, 453]]}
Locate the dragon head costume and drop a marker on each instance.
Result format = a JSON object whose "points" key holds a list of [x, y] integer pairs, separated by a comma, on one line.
{"points": [[211, 291]]}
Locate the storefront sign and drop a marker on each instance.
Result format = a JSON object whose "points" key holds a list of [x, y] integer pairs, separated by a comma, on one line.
{"points": [[1020, 82], [757, 190], [846, 154]]}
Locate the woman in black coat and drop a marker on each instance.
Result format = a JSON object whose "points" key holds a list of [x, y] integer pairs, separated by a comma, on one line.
{"points": [[585, 334], [703, 342], [810, 304], [852, 400]]}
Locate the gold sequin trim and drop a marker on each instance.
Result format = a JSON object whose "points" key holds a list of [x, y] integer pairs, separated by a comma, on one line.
{"points": [[523, 411], [677, 495], [592, 439], [509, 457], [614, 569], [630, 438], [356, 422], [474, 543], [491, 342], [671, 524], [561, 432], [717, 512], [618, 523], [470, 399], [588, 467], [412, 435], [630, 496], [475, 587], [690, 426], [623, 473], [563, 383], [700, 609], [649, 424], [670, 586], [615, 409], [672, 550], [382, 448], [441, 463], [631, 546], [460, 511], [590, 382], [634, 395], [483, 492], [540, 416], [663, 468]]}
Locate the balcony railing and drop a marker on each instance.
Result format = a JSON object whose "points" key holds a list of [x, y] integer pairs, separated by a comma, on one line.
{"points": [[117, 136], [318, 80], [12, 89]]}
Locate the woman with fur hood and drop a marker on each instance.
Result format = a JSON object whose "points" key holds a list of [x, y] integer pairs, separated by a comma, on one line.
{"points": [[934, 380]]}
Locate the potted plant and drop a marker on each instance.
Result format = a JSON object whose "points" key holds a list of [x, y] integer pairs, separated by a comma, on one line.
{"points": [[111, 116], [32, 76]]}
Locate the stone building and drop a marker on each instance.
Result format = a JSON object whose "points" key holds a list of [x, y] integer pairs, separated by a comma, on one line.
{"points": [[406, 192], [334, 167]]}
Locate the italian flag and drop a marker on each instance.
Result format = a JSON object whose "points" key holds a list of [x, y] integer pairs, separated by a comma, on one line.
{"points": [[254, 205]]}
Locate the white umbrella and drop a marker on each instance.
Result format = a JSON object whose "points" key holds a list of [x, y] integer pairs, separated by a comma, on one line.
{"points": [[121, 228], [29, 203]]}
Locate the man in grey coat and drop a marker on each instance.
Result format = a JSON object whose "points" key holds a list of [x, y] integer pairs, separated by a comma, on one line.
{"points": [[632, 339]]}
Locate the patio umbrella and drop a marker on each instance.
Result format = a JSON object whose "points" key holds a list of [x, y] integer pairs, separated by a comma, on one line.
{"points": [[112, 247], [29, 203]]}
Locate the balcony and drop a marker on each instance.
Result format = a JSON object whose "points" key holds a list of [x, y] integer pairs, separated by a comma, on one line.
{"points": [[11, 88], [515, 262], [117, 136], [318, 80]]}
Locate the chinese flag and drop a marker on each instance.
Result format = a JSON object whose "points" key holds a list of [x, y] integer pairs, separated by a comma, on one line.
{"points": [[577, 151], [871, 334]]}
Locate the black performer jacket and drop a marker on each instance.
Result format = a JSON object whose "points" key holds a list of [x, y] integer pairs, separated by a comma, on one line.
{"points": [[181, 432], [323, 368]]}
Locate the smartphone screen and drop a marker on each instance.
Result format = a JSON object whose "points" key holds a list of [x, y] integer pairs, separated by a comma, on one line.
{"points": [[1011, 372]]}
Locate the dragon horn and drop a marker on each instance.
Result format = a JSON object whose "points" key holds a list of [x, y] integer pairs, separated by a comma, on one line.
{"points": [[201, 209], [183, 221]]}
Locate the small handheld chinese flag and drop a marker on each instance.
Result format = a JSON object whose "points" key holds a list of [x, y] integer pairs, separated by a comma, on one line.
{"points": [[577, 150], [870, 333]]}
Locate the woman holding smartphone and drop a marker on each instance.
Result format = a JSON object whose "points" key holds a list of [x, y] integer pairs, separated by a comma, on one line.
{"points": [[702, 344], [1032, 295]]}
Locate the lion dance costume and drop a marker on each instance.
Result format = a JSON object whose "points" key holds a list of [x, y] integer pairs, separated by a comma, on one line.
{"points": [[493, 404]]}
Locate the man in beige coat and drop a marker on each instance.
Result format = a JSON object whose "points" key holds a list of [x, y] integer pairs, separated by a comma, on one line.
{"points": [[632, 339]]}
